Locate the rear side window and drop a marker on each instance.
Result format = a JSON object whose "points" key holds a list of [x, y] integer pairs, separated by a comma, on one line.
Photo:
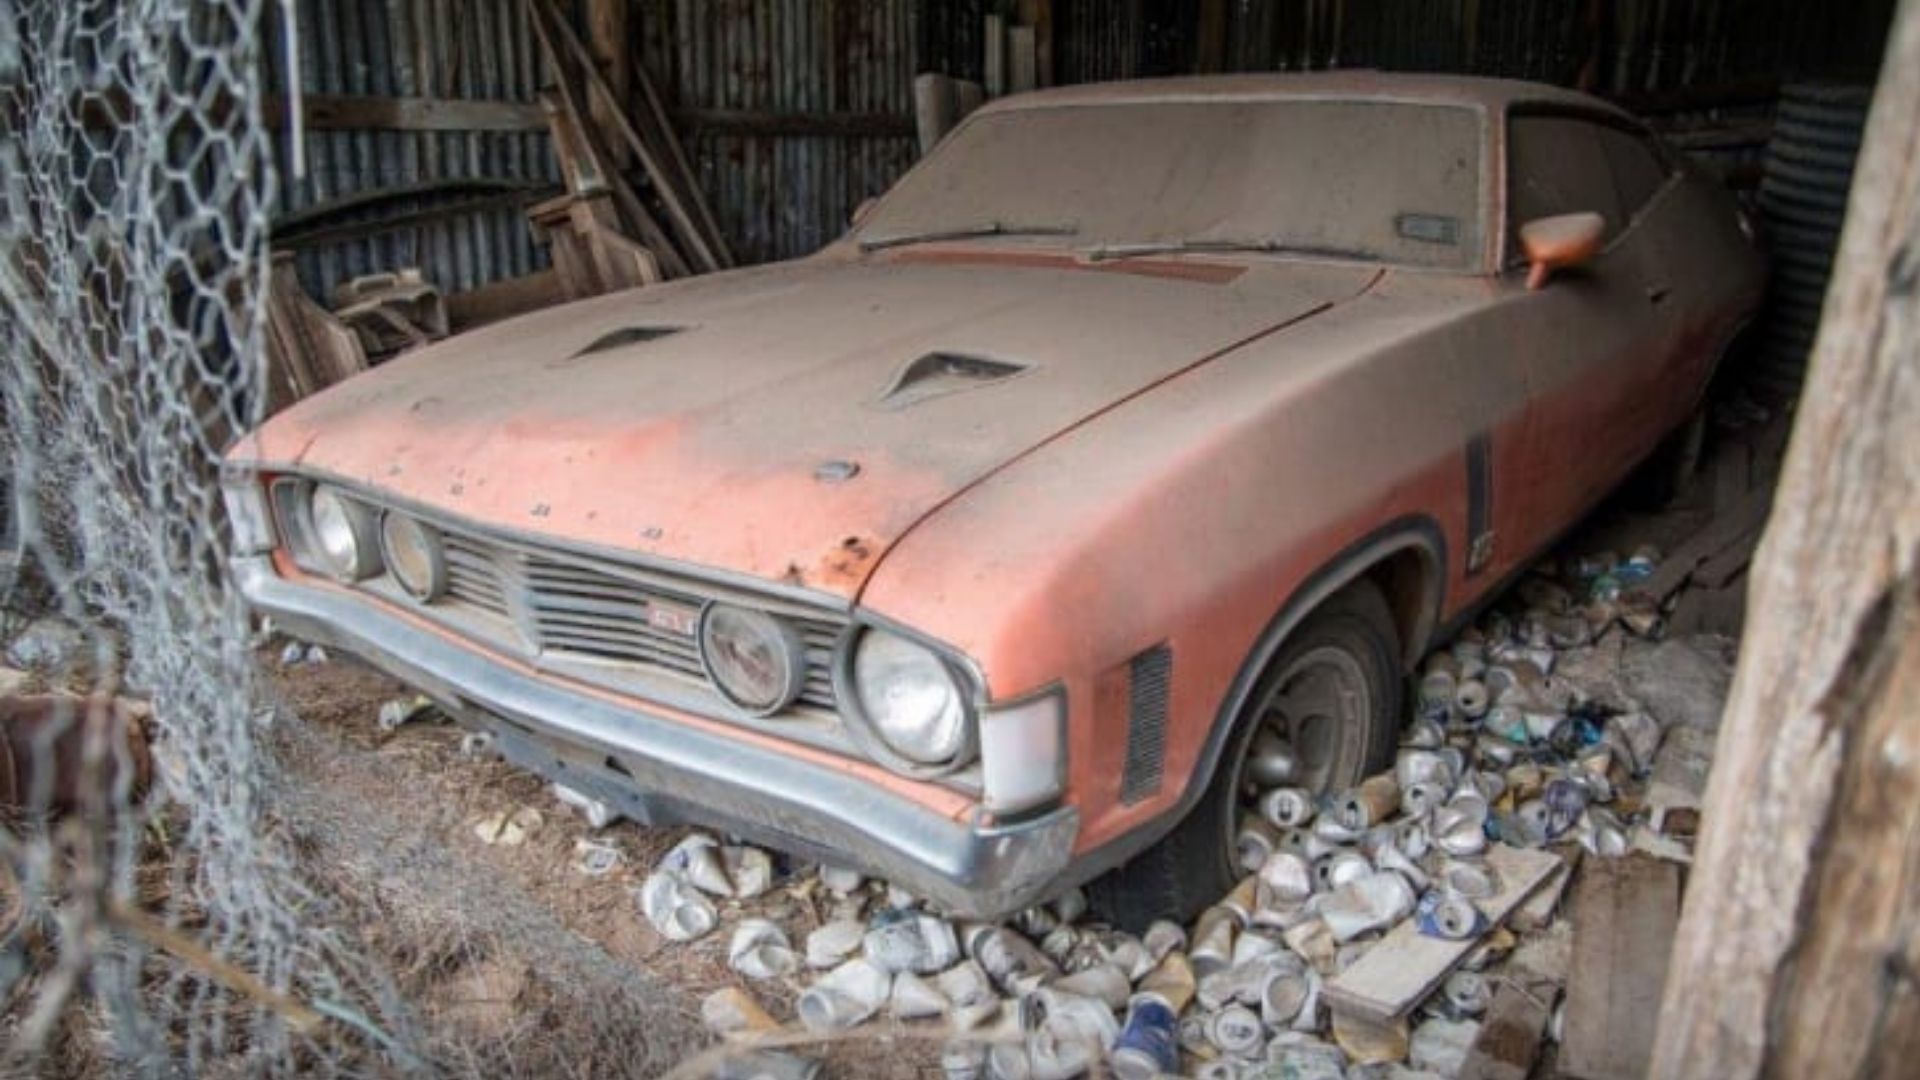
{"points": [[1637, 168], [1557, 165]]}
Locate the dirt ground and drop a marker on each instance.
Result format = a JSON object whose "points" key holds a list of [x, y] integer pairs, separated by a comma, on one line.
{"points": [[521, 963], [517, 958]]}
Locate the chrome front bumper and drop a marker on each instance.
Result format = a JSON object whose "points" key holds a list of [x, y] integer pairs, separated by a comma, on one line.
{"points": [[655, 769]]}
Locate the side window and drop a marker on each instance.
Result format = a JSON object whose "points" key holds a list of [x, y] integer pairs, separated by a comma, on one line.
{"points": [[1637, 168], [1557, 165]]}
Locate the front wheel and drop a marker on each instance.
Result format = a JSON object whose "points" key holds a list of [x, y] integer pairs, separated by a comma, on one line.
{"points": [[1333, 694]]}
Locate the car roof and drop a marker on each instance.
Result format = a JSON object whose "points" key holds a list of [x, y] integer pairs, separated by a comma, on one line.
{"points": [[1491, 95]]}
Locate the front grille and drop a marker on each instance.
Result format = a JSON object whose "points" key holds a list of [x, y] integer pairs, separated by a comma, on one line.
{"points": [[558, 607]]}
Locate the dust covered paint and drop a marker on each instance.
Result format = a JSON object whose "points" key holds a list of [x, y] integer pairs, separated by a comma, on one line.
{"points": [[1044, 414]]}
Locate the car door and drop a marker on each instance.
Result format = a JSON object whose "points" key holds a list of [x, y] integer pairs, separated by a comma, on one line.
{"points": [[1594, 336]]}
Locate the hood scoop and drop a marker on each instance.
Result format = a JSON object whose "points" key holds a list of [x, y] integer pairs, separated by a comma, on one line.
{"points": [[938, 374], [626, 335]]}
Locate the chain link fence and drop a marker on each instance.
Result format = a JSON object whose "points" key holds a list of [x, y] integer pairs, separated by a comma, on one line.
{"points": [[152, 919]]}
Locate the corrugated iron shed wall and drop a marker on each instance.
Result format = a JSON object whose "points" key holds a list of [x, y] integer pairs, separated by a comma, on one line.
{"points": [[1644, 46], [752, 81], [756, 66], [795, 110], [460, 49]]}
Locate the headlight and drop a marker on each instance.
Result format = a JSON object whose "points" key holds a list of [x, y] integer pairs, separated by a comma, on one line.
{"points": [[343, 531], [910, 700], [413, 556], [754, 659]]}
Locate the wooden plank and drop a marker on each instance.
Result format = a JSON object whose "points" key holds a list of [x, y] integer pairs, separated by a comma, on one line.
{"points": [[993, 61], [1039, 15], [676, 154], [1021, 76], [1406, 965], [325, 112], [1624, 915], [1537, 910], [569, 118], [934, 108], [1680, 772], [612, 58], [776, 124], [1732, 475], [1726, 528], [551, 27], [1509, 1039], [1730, 563], [111, 108], [498, 300]]}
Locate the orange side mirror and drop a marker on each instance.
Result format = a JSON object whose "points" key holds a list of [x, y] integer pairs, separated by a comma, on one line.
{"points": [[1559, 242]]}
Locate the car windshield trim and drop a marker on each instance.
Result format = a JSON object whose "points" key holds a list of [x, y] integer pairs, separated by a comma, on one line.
{"points": [[1199, 244], [970, 232]]}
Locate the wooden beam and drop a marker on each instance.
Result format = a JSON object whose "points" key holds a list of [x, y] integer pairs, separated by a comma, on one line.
{"points": [[608, 39], [676, 155], [326, 112], [1509, 1038], [1624, 911], [498, 300], [1797, 947], [700, 253], [993, 61], [322, 235], [1406, 965], [761, 122], [111, 108]]}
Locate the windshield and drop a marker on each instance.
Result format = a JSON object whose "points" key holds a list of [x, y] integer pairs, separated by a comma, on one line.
{"points": [[1382, 181]]}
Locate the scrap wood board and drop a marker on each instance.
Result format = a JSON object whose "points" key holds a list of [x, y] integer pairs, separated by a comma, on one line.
{"points": [[1406, 965], [1624, 915], [1509, 1038]]}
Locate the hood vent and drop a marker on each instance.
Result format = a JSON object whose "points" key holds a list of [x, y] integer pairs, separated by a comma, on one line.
{"points": [[627, 335], [940, 373]]}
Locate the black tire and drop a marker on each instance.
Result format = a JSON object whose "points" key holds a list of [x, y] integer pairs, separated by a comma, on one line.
{"points": [[1192, 866]]}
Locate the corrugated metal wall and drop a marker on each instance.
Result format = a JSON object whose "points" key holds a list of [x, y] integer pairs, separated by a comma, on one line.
{"points": [[779, 196], [468, 49], [755, 70], [1638, 47], [766, 61]]}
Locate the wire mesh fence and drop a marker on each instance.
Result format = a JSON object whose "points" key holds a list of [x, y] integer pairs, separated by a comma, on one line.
{"points": [[152, 918]]}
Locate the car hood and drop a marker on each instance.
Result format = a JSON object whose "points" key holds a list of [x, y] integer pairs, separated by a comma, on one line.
{"points": [[789, 422]]}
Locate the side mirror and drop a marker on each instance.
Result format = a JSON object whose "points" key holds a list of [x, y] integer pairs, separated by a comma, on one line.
{"points": [[862, 210], [1559, 242]]}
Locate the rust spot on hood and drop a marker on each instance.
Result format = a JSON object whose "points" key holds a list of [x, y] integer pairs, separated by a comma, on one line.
{"points": [[844, 565]]}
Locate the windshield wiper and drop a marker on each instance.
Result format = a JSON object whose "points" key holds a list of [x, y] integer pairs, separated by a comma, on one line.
{"points": [[967, 232], [1210, 244]]}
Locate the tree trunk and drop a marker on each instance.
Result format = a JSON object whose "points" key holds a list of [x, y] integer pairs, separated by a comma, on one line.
{"points": [[1799, 942]]}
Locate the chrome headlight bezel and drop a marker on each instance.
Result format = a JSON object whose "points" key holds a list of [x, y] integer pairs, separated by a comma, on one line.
{"points": [[865, 731], [358, 524], [780, 634], [249, 516], [398, 528]]}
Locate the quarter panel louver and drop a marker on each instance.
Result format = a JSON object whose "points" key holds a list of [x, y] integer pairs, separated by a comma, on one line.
{"points": [[1149, 688]]}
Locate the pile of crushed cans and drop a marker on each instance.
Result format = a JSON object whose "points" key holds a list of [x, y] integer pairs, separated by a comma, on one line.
{"points": [[1500, 751]]}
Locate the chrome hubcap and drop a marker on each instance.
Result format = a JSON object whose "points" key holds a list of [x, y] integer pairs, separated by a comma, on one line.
{"points": [[1316, 713]]}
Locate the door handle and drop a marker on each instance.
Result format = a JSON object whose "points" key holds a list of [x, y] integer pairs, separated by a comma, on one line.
{"points": [[1657, 294]]}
